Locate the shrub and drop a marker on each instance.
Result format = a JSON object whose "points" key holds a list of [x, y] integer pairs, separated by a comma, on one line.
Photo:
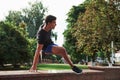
{"points": [[14, 46]]}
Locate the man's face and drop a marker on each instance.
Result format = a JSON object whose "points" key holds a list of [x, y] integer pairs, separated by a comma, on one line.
{"points": [[53, 24]]}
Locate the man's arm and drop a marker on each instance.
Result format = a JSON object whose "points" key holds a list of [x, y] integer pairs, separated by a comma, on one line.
{"points": [[36, 57]]}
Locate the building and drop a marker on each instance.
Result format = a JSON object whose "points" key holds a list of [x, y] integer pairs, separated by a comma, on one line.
{"points": [[117, 56]]}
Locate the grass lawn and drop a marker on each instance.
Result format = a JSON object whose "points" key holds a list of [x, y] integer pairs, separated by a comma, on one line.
{"points": [[45, 66], [58, 66]]}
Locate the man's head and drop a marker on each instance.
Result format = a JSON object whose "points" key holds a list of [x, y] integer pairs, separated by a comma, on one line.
{"points": [[51, 21]]}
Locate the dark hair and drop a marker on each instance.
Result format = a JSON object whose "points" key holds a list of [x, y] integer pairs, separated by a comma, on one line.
{"points": [[49, 18]]}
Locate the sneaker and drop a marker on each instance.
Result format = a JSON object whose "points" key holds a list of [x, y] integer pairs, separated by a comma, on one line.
{"points": [[76, 69]]}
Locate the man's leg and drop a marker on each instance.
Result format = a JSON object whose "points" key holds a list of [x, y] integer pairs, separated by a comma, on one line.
{"points": [[62, 52]]}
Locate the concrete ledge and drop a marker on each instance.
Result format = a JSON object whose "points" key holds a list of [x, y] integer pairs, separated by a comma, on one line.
{"points": [[110, 73], [51, 75]]}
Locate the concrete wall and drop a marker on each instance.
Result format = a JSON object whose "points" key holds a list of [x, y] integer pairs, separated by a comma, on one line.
{"points": [[110, 73], [94, 73], [66, 75]]}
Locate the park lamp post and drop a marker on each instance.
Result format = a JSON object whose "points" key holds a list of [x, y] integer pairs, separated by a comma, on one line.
{"points": [[112, 50]]}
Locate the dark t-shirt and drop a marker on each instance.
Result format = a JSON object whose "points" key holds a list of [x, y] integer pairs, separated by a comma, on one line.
{"points": [[44, 38]]}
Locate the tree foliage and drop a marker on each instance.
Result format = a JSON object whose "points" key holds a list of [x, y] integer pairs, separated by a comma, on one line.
{"points": [[14, 17], [97, 27], [70, 40], [14, 47], [32, 17], [24, 25]]}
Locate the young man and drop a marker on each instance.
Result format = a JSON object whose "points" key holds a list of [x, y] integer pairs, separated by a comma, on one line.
{"points": [[46, 45]]}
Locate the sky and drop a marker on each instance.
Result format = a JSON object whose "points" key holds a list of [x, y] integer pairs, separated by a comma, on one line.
{"points": [[58, 8]]}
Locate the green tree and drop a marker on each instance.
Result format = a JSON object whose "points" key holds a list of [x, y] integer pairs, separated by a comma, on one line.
{"points": [[29, 19], [34, 17], [70, 40], [14, 47], [14, 17], [97, 27]]}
